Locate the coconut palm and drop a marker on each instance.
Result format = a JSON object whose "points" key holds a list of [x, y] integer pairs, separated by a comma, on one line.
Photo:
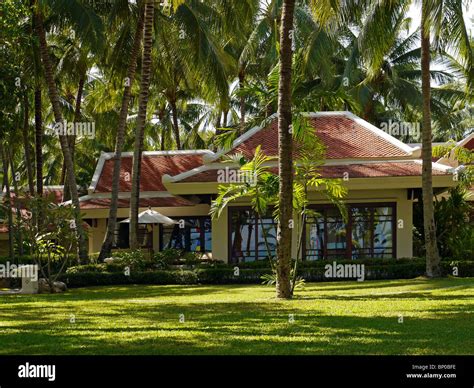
{"points": [[285, 152], [141, 121], [445, 19], [130, 76], [55, 102]]}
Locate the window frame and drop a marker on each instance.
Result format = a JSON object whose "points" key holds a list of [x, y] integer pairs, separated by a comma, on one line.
{"points": [[257, 227], [322, 208], [187, 237]]}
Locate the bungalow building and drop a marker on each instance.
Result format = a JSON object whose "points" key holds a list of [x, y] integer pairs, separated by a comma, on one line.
{"points": [[382, 174]]}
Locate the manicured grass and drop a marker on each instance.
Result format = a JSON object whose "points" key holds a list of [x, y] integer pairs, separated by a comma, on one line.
{"points": [[329, 318]]}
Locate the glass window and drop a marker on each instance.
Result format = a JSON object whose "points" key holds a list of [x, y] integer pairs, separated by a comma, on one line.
{"points": [[121, 235], [369, 233], [315, 237], [336, 234], [195, 236], [266, 237], [361, 232], [249, 236], [383, 232], [242, 235]]}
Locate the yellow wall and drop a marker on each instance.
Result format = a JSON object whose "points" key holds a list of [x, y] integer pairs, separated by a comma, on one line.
{"points": [[219, 226], [403, 212]]}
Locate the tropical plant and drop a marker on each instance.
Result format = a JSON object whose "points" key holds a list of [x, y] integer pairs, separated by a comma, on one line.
{"points": [[120, 139], [50, 241], [141, 120]]}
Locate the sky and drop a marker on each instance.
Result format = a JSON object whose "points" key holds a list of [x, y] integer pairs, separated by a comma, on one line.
{"points": [[415, 14]]}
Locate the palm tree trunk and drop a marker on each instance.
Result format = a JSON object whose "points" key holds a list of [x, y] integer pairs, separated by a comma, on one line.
{"points": [[6, 183], [26, 144], [242, 101], [141, 119], [432, 255], [54, 97], [16, 201], [285, 149], [38, 114], [72, 139], [38, 142], [161, 116], [174, 113], [119, 143]]}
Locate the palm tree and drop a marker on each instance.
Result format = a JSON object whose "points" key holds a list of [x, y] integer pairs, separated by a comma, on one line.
{"points": [[445, 18], [26, 142], [6, 184], [55, 102], [141, 120], [119, 143], [38, 104], [285, 153], [431, 247]]}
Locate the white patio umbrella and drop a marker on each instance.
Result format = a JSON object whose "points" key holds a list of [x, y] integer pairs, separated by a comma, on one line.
{"points": [[152, 217]]}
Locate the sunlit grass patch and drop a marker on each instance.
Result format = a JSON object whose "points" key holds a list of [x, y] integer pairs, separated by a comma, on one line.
{"points": [[416, 316]]}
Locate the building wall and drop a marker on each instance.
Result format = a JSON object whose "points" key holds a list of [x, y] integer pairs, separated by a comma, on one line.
{"points": [[404, 217], [220, 238], [404, 213], [97, 233]]}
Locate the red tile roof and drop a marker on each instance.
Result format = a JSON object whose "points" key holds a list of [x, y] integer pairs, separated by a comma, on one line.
{"points": [[54, 192], [104, 203], [153, 168], [469, 145], [369, 170], [343, 137]]}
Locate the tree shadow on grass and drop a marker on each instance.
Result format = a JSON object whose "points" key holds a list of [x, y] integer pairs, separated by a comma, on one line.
{"points": [[234, 328]]}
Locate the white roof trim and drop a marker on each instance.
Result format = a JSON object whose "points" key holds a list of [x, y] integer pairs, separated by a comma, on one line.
{"points": [[439, 166], [110, 155], [247, 135], [123, 195], [329, 163], [377, 131], [206, 167], [98, 171], [466, 140]]}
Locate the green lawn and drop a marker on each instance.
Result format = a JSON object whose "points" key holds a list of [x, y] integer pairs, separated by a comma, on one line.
{"points": [[329, 318]]}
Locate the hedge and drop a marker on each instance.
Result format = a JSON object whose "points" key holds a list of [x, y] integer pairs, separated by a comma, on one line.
{"points": [[402, 270], [85, 279]]}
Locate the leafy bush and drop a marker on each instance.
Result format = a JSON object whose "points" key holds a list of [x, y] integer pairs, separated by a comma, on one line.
{"points": [[113, 274], [135, 260], [87, 279], [102, 267]]}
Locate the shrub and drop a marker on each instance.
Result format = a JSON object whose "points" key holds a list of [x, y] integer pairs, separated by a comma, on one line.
{"points": [[136, 260], [102, 267], [85, 279], [102, 274]]}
